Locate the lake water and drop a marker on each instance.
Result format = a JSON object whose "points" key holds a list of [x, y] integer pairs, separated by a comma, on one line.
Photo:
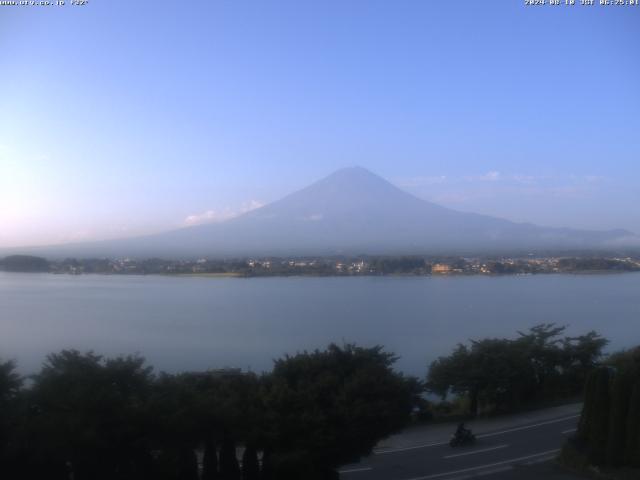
{"points": [[181, 323]]}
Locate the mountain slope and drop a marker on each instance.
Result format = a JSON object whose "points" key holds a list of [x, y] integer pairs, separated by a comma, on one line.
{"points": [[350, 211]]}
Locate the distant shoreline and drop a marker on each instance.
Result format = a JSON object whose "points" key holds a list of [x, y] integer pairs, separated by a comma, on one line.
{"points": [[203, 275], [327, 266], [311, 275]]}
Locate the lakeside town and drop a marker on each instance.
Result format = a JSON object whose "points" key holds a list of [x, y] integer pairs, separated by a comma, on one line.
{"points": [[328, 266]]}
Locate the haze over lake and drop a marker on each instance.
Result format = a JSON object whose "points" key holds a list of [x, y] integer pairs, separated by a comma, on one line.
{"points": [[183, 323]]}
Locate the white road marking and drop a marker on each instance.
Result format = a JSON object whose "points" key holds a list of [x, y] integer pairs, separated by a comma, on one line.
{"points": [[476, 451], [481, 467], [517, 429], [439, 444], [571, 430], [354, 470], [415, 447]]}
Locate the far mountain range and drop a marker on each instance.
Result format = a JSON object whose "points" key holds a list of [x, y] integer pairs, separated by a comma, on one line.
{"points": [[352, 211]]}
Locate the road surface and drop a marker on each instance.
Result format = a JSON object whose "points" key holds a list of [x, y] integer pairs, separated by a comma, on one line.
{"points": [[512, 447]]}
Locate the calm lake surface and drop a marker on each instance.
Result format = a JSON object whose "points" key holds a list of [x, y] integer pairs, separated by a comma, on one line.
{"points": [[181, 323]]}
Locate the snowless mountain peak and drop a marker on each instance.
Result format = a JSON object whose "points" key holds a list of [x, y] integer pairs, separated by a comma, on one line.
{"points": [[351, 211]]}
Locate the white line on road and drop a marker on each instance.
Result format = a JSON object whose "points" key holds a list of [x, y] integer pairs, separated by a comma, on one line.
{"points": [[476, 451], [517, 429], [439, 444], [481, 467], [354, 470], [571, 430], [415, 447]]}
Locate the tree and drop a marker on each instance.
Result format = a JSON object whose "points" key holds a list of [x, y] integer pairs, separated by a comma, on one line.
{"points": [[210, 461], [588, 411], [541, 345], [387, 265], [599, 420], [504, 374], [250, 464], [448, 374], [188, 467], [25, 263], [267, 472], [507, 375], [627, 361], [609, 428], [327, 408], [10, 382], [229, 467], [581, 355], [632, 444], [617, 434], [492, 370], [10, 385], [90, 412]]}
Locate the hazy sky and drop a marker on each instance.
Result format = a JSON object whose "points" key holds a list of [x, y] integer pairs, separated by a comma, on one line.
{"points": [[124, 117]]}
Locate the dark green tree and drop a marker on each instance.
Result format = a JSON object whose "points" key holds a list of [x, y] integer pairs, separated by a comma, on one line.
{"points": [[250, 464], [454, 374], [188, 468], [494, 371], [617, 434], [10, 385], [327, 408], [588, 411], [632, 444], [627, 361], [542, 346], [210, 461], [229, 466], [599, 419], [267, 469], [10, 382], [90, 413], [504, 374], [24, 263], [609, 428], [581, 355]]}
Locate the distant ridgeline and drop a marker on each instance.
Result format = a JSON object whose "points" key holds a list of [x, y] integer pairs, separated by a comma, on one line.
{"points": [[24, 263]]}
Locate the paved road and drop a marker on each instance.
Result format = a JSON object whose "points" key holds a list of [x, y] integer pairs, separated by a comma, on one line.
{"points": [[498, 453]]}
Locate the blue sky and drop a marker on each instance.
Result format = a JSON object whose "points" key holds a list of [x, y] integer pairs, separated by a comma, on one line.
{"points": [[120, 118]]}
